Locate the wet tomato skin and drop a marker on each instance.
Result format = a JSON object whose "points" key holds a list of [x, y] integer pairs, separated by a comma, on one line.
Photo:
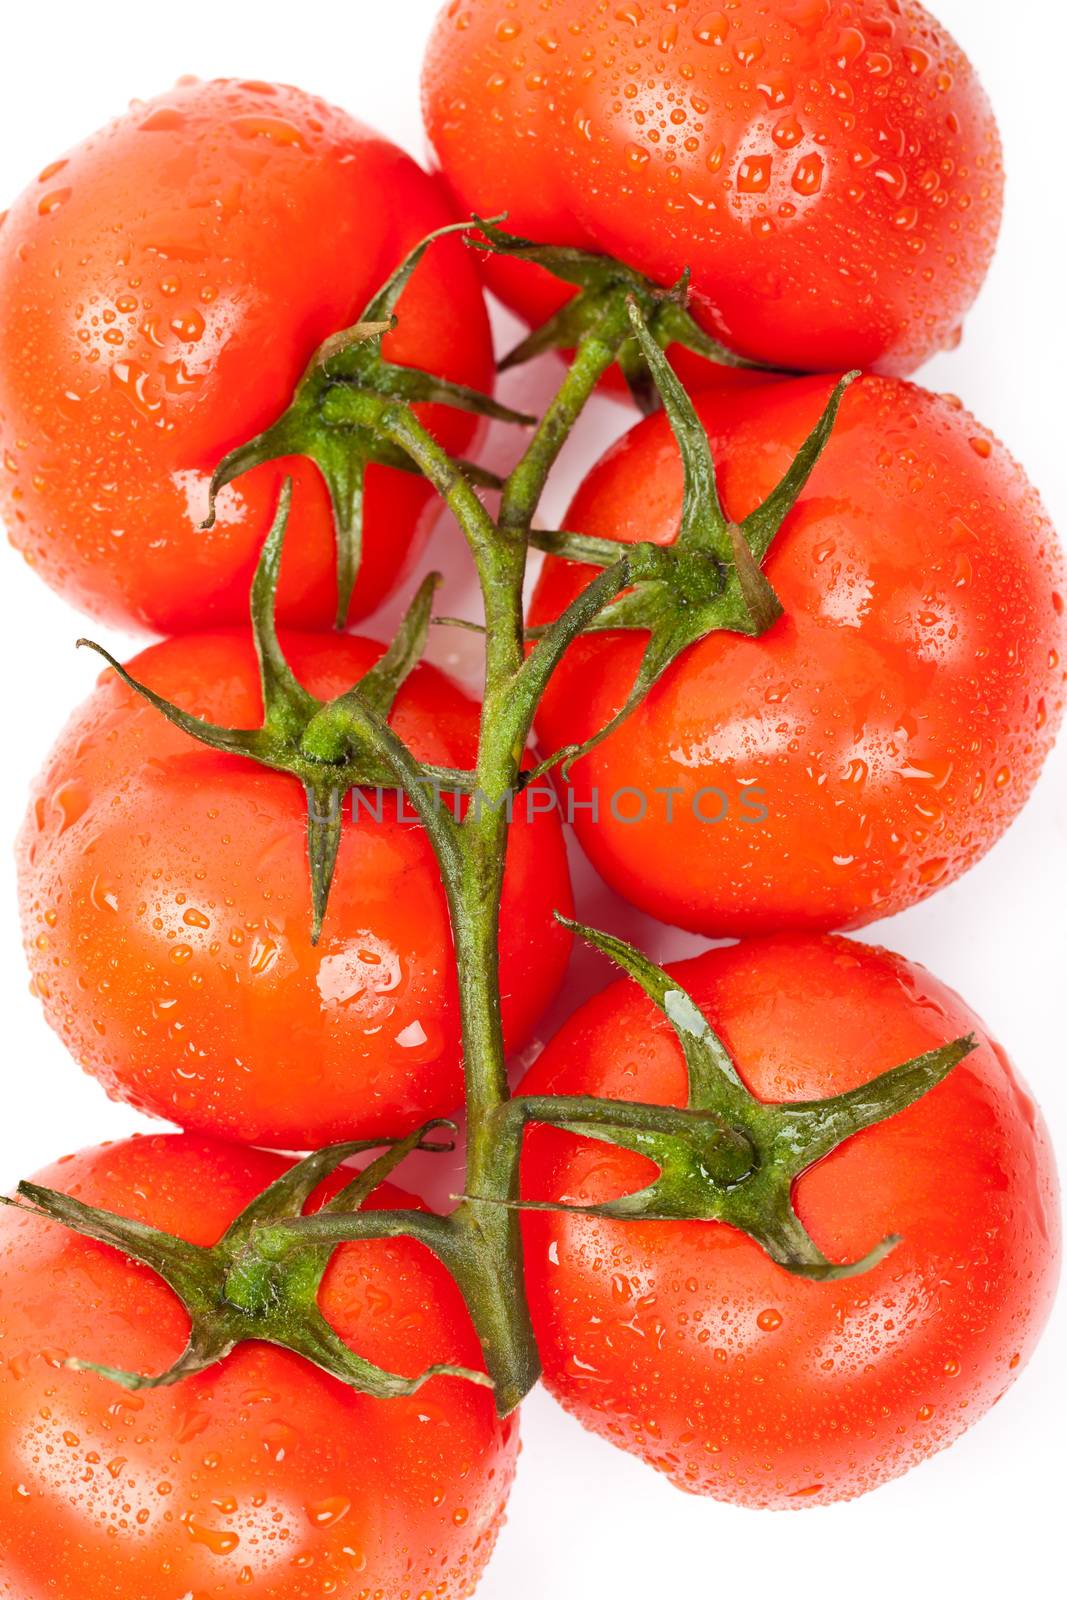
{"points": [[875, 743], [263, 1477], [162, 289], [831, 172], [166, 906], [685, 1345]]}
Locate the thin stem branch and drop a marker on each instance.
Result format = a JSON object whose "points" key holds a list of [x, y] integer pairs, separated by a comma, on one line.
{"points": [[597, 352]]}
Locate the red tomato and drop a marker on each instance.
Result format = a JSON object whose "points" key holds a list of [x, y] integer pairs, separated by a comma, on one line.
{"points": [[162, 289], [684, 1344], [830, 170], [262, 1478], [875, 742], [167, 911]]}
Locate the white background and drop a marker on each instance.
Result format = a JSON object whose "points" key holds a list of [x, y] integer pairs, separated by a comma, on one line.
{"points": [[986, 1517]]}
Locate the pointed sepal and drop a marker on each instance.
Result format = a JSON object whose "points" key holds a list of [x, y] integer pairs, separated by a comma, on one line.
{"points": [[601, 284], [710, 579], [318, 423], [727, 1156], [763, 525], [331, 747], [235, 1291]]}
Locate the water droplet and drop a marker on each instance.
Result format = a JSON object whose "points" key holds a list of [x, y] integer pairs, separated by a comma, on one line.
{"points": [[71, 800], [133, 381], [777, 88], [849, 47], [220, 1542], [103, 895], [188, 328], [264, 955], [52, 201], [754, 174], [787, 132], [807, 15], [894, 178], [164, 120], [278, 1439], [749, 51], [275, 129], [807, 179], [411, 1037], [712, 28], [769, 1320], [327, 1513]]}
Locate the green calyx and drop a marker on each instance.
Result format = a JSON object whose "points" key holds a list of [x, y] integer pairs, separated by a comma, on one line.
{"points": [[352, 360], [236, 1291], [711, 579], [728, 1157], [602, 284], [330, 747]]}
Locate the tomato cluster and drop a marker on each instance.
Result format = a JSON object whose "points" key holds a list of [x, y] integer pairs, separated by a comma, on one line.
{"points": [[830, 175]]}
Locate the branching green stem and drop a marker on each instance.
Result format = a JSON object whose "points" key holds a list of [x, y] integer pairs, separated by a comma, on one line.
{"points": [[722, 1155]]}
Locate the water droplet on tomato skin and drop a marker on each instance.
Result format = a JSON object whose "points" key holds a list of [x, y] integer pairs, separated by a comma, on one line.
{"points": [[754, 174], [848, 47], [807, 15], [166, 119], [712, 28], [276, 130], [329, 1512], [220, 1542], [894, 179], [749, 51], [279, 1439], [52, 202], [808, 175], [189, 328]]}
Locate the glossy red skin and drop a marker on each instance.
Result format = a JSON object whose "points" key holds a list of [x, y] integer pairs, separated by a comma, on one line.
{"points": [[896, 718], [166, 912], [684, 1344], [161, 292], [829, 169], [263, 1478]]}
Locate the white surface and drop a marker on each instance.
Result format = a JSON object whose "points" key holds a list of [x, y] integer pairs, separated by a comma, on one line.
{"points": [[586, 1520]]}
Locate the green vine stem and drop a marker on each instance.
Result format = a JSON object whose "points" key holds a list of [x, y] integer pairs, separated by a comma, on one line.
{"points": [[724, 1155]]}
